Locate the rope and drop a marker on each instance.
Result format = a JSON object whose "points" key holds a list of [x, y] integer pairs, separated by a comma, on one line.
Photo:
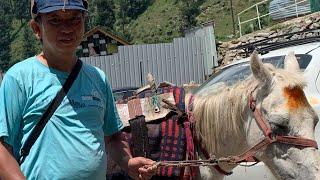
{"points": [[195, 163], [64, 5], [248, 165]]}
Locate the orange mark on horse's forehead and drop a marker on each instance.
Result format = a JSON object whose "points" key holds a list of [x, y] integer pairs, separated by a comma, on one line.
{"points": [[295, 98]]}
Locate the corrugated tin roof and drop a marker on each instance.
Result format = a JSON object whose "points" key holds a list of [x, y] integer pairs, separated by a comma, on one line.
{"points": [[280, 9]]}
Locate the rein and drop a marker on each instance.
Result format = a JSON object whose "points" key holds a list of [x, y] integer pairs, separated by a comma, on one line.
{"points": [[249, 155], [270, 137]]}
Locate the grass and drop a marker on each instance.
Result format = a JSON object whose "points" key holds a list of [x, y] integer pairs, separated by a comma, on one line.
{"points": [[162, 21]]}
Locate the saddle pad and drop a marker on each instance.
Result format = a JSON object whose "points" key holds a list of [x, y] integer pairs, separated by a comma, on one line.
{"points": [[143, 106]]}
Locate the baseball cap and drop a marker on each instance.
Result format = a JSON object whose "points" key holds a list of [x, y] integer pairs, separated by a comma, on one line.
{"points": [[46, 6]]}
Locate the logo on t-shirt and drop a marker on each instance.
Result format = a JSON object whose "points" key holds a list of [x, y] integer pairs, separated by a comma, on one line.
{"points": [[88, 100]]}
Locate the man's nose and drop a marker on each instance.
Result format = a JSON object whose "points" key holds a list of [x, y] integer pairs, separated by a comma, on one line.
{"points": [[66, 27]]}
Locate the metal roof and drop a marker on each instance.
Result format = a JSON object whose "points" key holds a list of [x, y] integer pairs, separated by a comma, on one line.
{"points": [[281, 9]]}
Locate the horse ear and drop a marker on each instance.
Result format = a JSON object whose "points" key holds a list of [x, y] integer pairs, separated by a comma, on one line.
{"points": [[291, 63], [259, 71]]}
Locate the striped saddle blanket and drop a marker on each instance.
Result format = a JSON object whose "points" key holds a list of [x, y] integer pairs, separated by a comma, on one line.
{"points": [[166, 134]]}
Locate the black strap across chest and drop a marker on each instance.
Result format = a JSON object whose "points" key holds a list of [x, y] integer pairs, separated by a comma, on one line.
{"points": [[49, 112]]}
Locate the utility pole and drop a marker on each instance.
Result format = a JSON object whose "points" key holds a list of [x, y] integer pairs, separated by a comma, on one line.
{"points": [[233, 22]]}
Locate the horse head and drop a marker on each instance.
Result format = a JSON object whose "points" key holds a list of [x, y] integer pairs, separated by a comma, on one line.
{"points": [[268, 111], [283, 104]]}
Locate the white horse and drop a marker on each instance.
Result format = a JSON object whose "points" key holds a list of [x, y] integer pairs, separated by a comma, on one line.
{"points": [[227, 126]]}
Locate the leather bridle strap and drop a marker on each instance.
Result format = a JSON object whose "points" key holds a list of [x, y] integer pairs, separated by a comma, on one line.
{"points": [[270, 137], [198, 142], [297, 141], [248, 155], [259, 118]]}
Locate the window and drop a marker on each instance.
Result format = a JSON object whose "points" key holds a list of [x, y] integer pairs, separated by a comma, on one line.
{"points": [[238, 72], [112, 48]]}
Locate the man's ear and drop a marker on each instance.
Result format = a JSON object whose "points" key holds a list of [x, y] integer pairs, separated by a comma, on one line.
{"points": [[35, 26]]}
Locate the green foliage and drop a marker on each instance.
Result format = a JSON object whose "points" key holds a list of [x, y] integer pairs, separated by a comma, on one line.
{"points": [[20, 9], [5, 29], [137, 21], [128, 11], [190, 10], [248, 28], [161, 22], [24, 46], [14, 15], [102, 13], [133, 8]]}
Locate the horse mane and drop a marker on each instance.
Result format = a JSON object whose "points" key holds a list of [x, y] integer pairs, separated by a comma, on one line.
{"points": [[221, 109]]}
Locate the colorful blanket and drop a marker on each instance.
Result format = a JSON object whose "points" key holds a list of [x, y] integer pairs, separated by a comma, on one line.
{"points": [[167, 139]]}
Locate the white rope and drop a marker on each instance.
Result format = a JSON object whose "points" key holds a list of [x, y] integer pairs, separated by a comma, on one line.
{"points": [[64, 5]]}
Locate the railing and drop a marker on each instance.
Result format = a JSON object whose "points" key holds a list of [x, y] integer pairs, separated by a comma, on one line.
{"points": [[297, 10]]}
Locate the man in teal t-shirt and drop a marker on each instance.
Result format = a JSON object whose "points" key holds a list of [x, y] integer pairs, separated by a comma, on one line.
{"points": [[72, 144]]}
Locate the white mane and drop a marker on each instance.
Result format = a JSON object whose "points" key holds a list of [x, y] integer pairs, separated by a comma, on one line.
{"points": [[220, 110]]}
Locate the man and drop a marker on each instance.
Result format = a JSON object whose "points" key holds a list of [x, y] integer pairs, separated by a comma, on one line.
{"points": [[72, 143]]}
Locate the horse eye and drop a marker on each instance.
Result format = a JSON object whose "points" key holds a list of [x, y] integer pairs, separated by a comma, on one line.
{"points": [[279, 129]]}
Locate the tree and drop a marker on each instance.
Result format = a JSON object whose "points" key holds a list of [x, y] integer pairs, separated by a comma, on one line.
{"points": [[133, 8], [128, 11], [19, 11], [5, 29], [190, 10], [30, 43], [24, 46], [102, 13]]}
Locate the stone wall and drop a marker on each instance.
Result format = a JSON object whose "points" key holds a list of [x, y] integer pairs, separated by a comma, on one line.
{"points": [[311, 21]]}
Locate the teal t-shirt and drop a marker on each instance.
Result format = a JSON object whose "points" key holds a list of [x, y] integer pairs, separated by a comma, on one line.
{"points": [[71, 146]]}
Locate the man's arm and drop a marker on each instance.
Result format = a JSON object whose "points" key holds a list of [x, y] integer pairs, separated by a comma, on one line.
{"points": [[119, 150], [9, 168]]}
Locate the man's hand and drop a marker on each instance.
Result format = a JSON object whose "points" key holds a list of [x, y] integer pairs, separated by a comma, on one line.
{"points": [[141, 168], [138, 167]]}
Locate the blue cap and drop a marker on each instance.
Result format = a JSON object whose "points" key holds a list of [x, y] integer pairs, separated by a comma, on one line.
{"points": [[46, 6]]}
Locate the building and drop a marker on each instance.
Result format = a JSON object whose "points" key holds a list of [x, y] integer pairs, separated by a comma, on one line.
{"points": [[98, 42]]}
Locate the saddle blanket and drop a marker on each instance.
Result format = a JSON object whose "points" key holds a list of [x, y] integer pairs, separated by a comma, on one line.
{"points": [[167, 139], [143, 106]]}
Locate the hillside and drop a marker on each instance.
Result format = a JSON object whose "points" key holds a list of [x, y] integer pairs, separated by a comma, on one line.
{"points": [[161, 22], [143, 21], [163, 19]]}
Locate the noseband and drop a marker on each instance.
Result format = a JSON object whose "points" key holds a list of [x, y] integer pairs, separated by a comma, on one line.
{"points": [[269, 136]]}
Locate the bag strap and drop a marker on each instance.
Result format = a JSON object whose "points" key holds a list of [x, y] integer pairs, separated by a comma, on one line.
{"points": [[49, 112]]}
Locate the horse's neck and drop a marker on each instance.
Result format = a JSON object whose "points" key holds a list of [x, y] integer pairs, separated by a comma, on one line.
{"points": [[223, 120], [236, 106], [234, 102]]}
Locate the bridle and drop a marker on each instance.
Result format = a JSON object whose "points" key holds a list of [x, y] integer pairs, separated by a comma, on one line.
{"points": [[270, 137]]}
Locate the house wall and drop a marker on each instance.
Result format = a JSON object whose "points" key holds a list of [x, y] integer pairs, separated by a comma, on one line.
{"points": [[184, 60], [96, 45], [281, 9]]}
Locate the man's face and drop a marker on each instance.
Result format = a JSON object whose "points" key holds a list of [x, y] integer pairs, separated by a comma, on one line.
{"points": [[62, 31]]}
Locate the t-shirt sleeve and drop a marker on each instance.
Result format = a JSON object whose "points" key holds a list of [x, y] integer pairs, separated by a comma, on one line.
{"points": [[112, 122], [11, 109]]}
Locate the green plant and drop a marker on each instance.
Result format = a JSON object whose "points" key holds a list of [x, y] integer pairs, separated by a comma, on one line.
{"points": [[248, 28], [277, 27]]}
